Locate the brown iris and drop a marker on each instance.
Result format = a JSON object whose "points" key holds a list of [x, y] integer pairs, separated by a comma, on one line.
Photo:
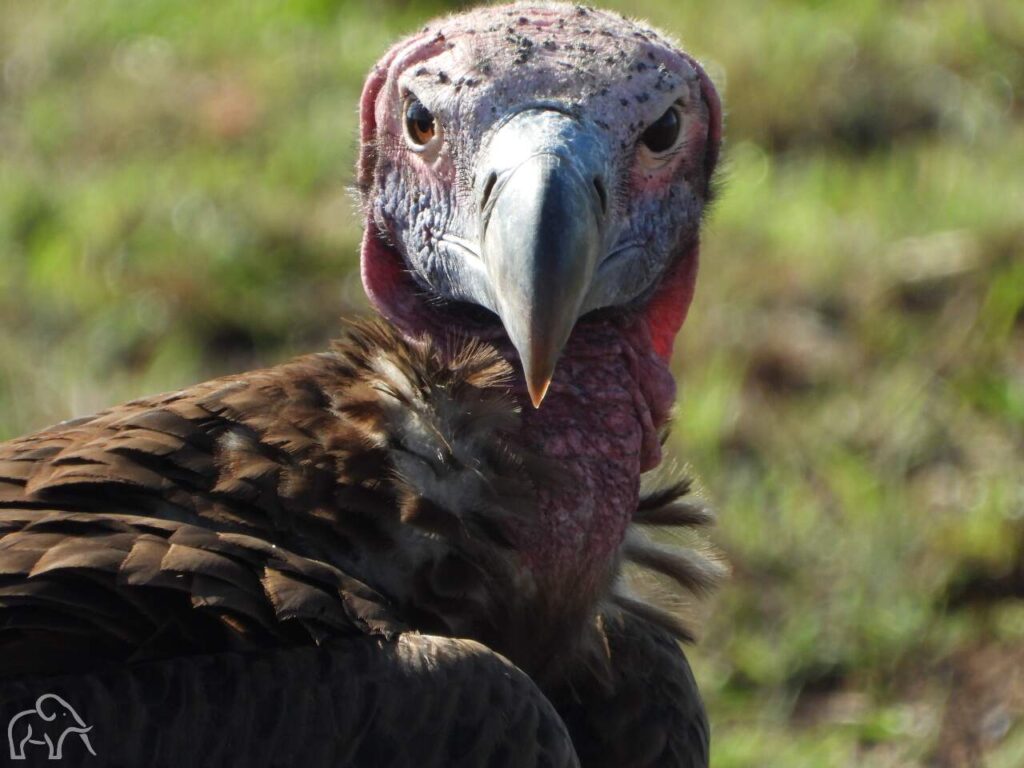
{"points": [[420, 125]]}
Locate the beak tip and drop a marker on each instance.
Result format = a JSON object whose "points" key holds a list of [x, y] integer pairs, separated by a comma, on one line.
{"points": [[538, 390]]}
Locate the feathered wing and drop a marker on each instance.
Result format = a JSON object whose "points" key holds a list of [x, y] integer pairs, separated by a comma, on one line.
{"points": [[278, 505], [300, 521], [84, 590], [419, 700], [195, 569], [645, 712]]}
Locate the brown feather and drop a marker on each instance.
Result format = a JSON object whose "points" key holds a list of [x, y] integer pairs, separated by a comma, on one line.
{"points": [[662, 514], [289, 499], [359, 493]]}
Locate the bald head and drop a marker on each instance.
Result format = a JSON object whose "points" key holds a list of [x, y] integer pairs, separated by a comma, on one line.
{"points": [[540, 161]]}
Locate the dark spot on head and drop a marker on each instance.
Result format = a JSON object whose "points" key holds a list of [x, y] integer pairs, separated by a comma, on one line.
{"points": [[624, 102], [523, 47], [523, 20], [442, 77], [420, 71]]}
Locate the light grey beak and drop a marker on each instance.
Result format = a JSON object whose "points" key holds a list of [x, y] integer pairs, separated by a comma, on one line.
{"points": [[543, 210]]}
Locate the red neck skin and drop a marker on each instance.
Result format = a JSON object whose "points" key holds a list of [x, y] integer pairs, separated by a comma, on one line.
{"points": [[599, 424]]}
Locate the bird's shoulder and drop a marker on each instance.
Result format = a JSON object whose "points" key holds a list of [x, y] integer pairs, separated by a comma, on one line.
{"points": [[360, 489]]}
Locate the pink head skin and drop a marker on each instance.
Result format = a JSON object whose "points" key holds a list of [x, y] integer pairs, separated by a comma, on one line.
{"points": [[549, 164]]}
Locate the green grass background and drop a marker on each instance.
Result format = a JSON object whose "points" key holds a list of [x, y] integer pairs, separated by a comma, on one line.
{"points": [[174, 203]]}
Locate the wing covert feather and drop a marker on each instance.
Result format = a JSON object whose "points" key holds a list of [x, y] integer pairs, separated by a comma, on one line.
{"points": [[460, 706]]}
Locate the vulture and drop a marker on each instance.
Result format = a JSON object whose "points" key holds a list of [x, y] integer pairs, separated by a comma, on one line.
{"points": [[414, 548]]}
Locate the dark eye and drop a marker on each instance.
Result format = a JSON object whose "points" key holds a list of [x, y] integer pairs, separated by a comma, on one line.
{"points": [[661, 135], [420, 125]]}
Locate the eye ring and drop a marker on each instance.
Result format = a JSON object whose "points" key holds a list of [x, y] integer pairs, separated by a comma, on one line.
{"points": [[422, 130], [663, 135]]}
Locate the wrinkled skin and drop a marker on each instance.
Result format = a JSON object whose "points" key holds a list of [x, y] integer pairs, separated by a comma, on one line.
{"points": [[611, 78]]}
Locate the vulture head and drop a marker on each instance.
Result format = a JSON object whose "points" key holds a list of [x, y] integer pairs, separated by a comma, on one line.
{"points": [[535, 175], [543, 163]]}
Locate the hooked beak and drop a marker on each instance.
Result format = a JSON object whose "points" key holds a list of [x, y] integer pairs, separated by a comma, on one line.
{"points": [[543, 220]]}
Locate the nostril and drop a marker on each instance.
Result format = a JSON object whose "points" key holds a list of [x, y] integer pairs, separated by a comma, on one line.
{"points": [[488, 188], [602, 193]]}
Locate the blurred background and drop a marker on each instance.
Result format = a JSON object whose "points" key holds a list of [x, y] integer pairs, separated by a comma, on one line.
{"points": [[174, 204]]}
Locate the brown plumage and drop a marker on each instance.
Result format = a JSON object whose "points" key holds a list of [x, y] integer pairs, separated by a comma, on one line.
{"points": [[252, 497], [418, 701], [349, 499]]}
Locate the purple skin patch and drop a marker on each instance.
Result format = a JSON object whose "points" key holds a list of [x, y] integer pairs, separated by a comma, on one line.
{"points": [[585, 85]]}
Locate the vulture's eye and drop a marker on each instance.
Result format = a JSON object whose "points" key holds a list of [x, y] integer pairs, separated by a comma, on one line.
{"points": [[663, 133], [420, 126]]}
